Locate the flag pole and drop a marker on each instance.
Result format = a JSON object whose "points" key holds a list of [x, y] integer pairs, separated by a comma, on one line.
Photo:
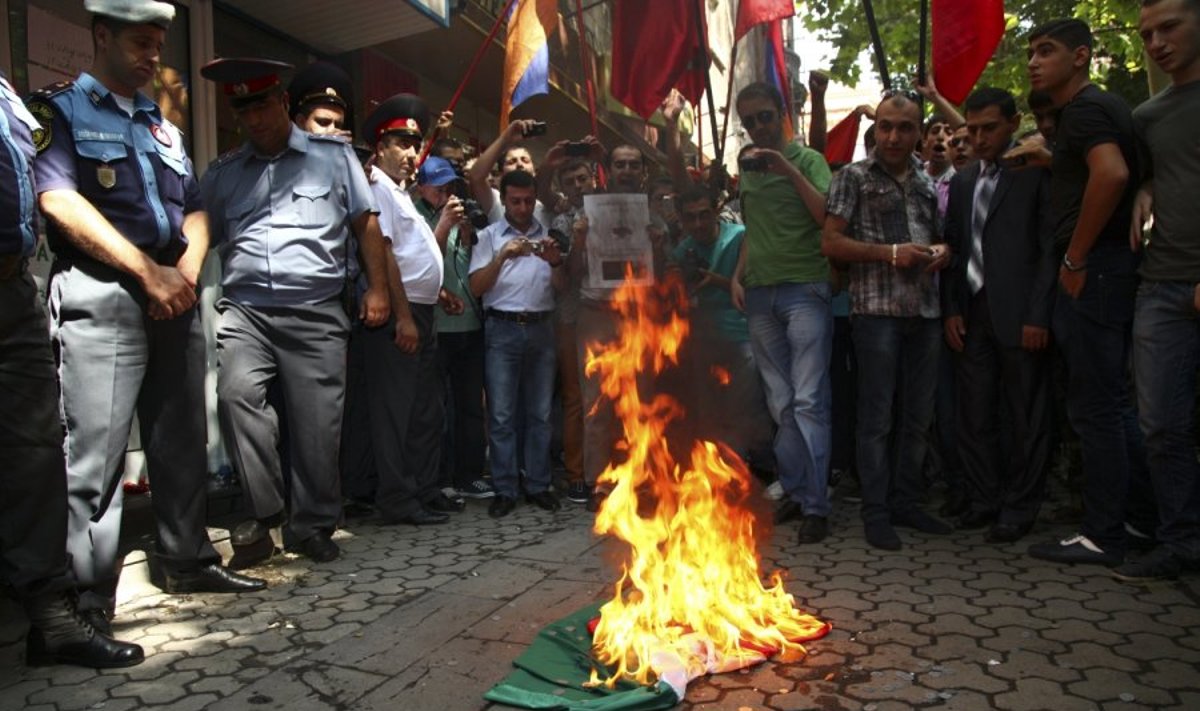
{"points": [[703, 52], [720, 152], [462, 85], [921, 50], [877, 42], [585, 67]]}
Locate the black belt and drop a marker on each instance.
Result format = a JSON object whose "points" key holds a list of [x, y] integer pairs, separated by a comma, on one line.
{"points": [[520, 316], [12, 266]]}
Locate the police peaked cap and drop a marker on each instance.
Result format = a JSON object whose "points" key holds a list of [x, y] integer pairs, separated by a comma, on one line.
{"points": [[403, 113], [136, 12], [322, 84], [244, 78]]}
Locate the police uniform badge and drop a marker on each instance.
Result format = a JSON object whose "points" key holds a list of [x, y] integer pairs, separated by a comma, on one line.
{"points": [[161, 135], [106, 175], [45, 118]]}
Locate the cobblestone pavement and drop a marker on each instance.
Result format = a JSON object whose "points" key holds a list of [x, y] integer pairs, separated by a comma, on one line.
{"points": [[430, 618]]}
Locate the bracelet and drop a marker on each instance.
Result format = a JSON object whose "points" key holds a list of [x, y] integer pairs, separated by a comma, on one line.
{"points": [[894, 246], [1072, 266]]}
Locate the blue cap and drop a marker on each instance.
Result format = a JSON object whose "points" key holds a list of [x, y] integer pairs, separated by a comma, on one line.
{"points": [[136, 12], [436, 171]]}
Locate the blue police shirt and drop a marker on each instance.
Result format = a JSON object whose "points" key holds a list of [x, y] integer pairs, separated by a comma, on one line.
{"points": [[281, 223], [18, 230], [133, 169]]}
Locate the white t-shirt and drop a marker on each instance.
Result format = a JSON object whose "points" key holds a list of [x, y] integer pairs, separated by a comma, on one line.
{"points": [[524, 282], [416, 249]]}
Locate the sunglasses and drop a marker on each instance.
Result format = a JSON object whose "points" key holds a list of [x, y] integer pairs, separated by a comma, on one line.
{"points": [[908, 94], [765, 117]]}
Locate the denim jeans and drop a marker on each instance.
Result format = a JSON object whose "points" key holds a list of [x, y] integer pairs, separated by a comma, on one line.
{"points": [[897, 382], [791, 330], [1166, 353], [1094, 331], [519, 366]]}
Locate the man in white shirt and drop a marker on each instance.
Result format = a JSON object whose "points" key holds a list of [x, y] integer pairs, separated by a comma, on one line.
{"points": [[404, 393], [514, 268]]}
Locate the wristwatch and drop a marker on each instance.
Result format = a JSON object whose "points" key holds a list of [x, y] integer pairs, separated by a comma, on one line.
{"points": [[1072, 266]]}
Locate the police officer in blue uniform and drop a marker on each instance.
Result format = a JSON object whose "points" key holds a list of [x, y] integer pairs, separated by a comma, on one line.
{"points": [[321, 100], [33, 511], [283, 207], [129, 234]]}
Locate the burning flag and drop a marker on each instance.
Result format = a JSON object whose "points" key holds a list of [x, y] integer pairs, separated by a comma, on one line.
{"points": [[691, 598]]}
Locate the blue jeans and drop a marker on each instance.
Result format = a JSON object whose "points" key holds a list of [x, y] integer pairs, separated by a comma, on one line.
{"points": [[519, 366], [897, 382], [1094, 332], [791, 330], [1166, 353]]}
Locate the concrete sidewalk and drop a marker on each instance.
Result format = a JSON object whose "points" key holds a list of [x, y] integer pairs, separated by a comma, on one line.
{"points": [[430, 618]]}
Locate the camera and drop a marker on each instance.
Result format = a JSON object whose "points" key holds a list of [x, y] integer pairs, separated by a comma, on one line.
{"points": [[561, 239], [691, 266], [536, 247], [578, 149], [474, 213], [537, 128], [756, 163]]}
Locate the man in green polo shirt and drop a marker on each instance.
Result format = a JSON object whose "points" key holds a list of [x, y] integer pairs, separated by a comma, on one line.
{"points": [[782, 282]]}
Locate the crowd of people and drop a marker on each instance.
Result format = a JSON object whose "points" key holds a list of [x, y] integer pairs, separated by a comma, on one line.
{"points": [[398, 335]]}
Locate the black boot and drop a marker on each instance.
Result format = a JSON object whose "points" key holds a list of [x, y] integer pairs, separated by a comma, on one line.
{"points": [[59, 635]]}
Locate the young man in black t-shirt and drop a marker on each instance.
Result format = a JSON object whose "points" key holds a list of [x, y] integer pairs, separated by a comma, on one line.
{"points": [[1092, 191]]}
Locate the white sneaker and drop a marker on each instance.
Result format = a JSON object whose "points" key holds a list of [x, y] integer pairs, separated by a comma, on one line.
{"points": [[775, 491]]}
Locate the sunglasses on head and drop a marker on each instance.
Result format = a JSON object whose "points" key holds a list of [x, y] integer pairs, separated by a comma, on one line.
{"points": [[908, 94], [765, 117]]}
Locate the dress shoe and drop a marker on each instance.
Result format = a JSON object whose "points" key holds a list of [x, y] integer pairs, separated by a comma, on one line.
{"points": [[1159, 564], [813, 529], [251, 543], [420, 517], [918, 520], [442, 504], [99, 619], [1077, 549], [545, 500], [880, 534], [212, 579], [59, 634], [319, 547], [788, 510], [973, 520], [1007, 532], [501, 506]]}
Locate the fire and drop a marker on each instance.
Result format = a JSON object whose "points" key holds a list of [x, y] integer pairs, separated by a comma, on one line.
{"points": [[691, 599], [719, 374]]}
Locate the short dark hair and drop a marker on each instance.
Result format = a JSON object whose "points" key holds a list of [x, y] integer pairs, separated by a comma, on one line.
{"points": [[1071, 32], [696, 193], [504, 156], [933, 121], [441, 145], [1039, 100], [660, 181], [114, 26], [761, 90], [630, 146], [987, 96], [516, 179], [571, 165], [1193, 5]]}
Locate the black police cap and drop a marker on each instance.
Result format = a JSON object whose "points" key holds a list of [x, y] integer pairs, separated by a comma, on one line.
{"points": [[403, 113]]}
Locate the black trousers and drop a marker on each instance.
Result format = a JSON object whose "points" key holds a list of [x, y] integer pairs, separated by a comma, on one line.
{"points": [[460, 355], [33, 474], [1003, 420]]}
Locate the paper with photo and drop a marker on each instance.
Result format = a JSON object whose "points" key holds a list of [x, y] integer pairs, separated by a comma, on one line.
{"points": [[617, 235]]}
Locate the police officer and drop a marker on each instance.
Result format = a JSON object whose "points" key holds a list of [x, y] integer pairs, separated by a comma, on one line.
{"points": [[284, 205], [33, 513], [129, 234], [321, 100]]}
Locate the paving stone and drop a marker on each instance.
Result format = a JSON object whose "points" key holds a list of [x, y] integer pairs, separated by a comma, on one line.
{"points": [[163, 689], [303, 685], [520, 620], [1107, 686], [453, 676], [1040, 694]]}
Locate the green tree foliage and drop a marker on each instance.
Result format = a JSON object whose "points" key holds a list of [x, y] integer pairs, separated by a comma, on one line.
{"points": [[1118, 63]]}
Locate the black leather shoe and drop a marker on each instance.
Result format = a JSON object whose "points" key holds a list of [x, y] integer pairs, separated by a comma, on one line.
{"points": [[974, 520], [918, 520], [1007, 532], [93, 649], [98, 619], [545, 500], [319, 547], [420, 517], [501, 506], [212, 579], [813, 529], [443, 504], [788, 510], [880, 534]]}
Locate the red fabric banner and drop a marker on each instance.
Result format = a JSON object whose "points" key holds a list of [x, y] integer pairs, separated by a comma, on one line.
{"points": [[656, 47], [965, 35], [757, 12], [841, 140]]}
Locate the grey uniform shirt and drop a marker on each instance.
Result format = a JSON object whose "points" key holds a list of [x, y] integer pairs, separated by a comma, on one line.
{"points": [[281, 224]]}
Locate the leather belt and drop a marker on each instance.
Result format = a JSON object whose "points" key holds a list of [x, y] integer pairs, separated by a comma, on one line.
{"points": [[12, 266], [520, 316]]}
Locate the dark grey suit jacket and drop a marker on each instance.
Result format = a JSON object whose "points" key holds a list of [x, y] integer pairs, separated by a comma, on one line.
{"points": [[1020, 264]]}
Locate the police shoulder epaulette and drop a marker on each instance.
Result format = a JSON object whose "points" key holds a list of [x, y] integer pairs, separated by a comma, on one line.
{"points": [[227, 156], [51, 90], [41, 107], [328, 137]]}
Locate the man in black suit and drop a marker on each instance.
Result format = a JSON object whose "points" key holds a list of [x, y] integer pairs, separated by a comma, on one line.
{"points": [[997, 301]]}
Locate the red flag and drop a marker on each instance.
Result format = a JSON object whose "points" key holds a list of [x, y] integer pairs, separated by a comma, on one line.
{"points": [[965, 35], [756, 12], [656, 47], [841, 140]]}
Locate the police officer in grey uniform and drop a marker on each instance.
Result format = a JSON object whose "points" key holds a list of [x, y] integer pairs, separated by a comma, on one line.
{"points": [[129, 234], [284, 206], [33, 512]]}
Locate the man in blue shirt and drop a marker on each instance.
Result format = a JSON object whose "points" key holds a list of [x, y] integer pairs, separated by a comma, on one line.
{"points": [[284, 205], [129, 233], [33, 525]]}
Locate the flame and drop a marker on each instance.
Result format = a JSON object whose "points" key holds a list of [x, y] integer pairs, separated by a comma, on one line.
{"points": [[690, 597], [719, 374]]}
